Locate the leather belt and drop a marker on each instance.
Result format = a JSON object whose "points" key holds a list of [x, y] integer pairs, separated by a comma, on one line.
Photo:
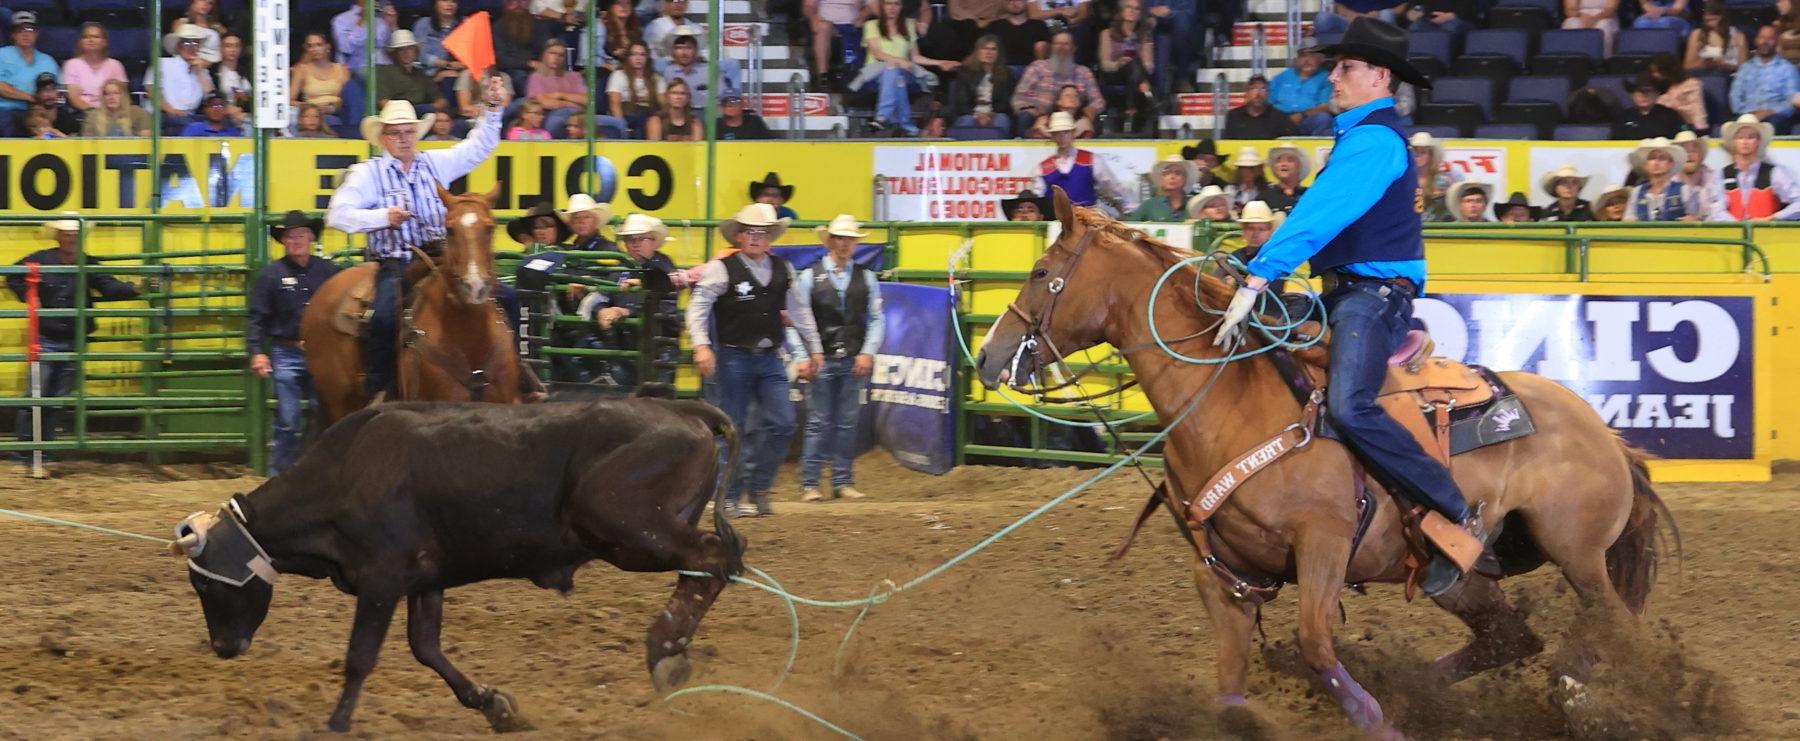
{"points": [[1335, 278]]}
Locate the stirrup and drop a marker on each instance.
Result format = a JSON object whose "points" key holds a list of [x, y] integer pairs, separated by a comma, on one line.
{"points": [[1441, 575]]}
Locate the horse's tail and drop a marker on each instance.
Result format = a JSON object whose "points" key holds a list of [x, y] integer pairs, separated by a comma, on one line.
{"points": [[1631, 560]]}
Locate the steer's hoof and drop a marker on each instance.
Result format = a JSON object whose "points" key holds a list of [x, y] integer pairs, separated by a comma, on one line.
{"points": [[502, 712], [671, 672]]}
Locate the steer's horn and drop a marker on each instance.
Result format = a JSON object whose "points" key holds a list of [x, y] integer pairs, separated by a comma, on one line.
{"points": [[183, 545]]}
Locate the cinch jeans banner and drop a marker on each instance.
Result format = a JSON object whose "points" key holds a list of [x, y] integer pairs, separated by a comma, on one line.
{"points": [[1672, 373], [909, 390]]}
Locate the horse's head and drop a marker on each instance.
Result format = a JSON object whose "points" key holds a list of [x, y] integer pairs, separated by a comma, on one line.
{"points": [[1062, 307], [468, 261]]}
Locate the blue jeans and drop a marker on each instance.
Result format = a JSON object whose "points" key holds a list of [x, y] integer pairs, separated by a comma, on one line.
{"points": [[557, 120], [893, 98], [384, 330], [58, 379], [743, 376], [1002, 122], [833, 407], [1456, 27], [293, 384], [1369, 320], [1317, 124]]}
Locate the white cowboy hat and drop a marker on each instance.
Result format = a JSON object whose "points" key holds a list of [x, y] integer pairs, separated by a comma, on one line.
{"points": [[1730, 131], [1300, 154], [1548, 182], [50, 228], [1206, 194], [842, 225], [1645, 147], [755, 214], [1189, 170], [402, 38], [1424, 140], [584, 203], [1453, 199], [1247, 157], [636, 224], [1060, 121], [1256, 212], [395, 113], [190, 32], [1615, 190], [1688, 135]]}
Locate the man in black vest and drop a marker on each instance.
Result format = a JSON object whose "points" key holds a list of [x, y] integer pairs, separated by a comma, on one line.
{"points": [[277, 301], [846, 302], [744, 294]]}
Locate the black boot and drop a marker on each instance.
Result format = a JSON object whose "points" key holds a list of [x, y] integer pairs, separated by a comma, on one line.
{"points": [[1442, 574]]}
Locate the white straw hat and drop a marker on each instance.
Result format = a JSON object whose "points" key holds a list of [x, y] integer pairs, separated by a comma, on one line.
{"points": [[50, 228], [395, 113], [1675, 151], [755, 214], [842, 225], [584, 203], [1060, 121], [1256, 212], [1247, 157], [1206, 194], [402, 38], [636, 224]]}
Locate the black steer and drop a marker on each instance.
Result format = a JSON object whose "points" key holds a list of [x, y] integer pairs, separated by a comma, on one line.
{"points": [[405, 500]]}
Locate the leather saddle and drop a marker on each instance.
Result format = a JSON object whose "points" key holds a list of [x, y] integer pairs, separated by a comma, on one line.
{"points": [[351, 315]]}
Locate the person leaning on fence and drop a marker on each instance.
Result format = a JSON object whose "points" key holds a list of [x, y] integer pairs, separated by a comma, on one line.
{"points": [[846, 302], [278, 299], [744, 295], [644, 236], [58, 291]]}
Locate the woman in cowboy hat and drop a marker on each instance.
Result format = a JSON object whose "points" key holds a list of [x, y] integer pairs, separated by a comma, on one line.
{"points": [[734, 320], [1515, 210], [1205, 156], [1291, 165], [1564, 185], [539, 227], [770, 190], [1469, 200], [1173, 175], [1434, 180], [277, 301], [1210, 204], [1610, 206], [585, 217], [1661, 197], [1752, 188], [1251, 179], [845, 300]]}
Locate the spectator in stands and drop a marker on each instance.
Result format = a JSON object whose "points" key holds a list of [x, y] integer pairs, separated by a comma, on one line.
{"points": [[1515, 210], [1680, 93], [561, 91], [529, 124], [895, 68], [585, 217], [1175, 25], [1661, 197], [1610, 206], [116, 116], [1303, 91], [686, 64], [1715, 46], [404, 79], [1256, 225], [770, 190], [1291, 165], [1127, 61], [1765, 84], [675, 122], [735, 124], [48, 99], [643, 237], [1173, 176], [1068, 100], [1070, 15], [982, 91], [517, 39], [181, 78], [1212, 203], [59, 291], [1023, 38], [1041, 83], [468, 104], [278, 299], [205, 15], [1205, 156], [20, 65], [1083, 175], [846, 302], [1697, 174], [430, 31], [634, 92], [1666, 14], [1334, 19], [90, 68], [351, 38], [1251, 179], [1647, 118], [661, 31], [1256, 119], [309, 123], [1469, 200], [563, 20], [944, 36], [1564, 186], [1752, 188], [1027, 206], [539, 227], [1454, 17], [318, 80], [215, 119], [622, 30], [1787, 29], [1434, 179], [37, 126], [833, 20], [228, 76]]}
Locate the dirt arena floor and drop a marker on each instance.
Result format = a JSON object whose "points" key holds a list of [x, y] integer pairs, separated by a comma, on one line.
{"points": [[1040, 637]]}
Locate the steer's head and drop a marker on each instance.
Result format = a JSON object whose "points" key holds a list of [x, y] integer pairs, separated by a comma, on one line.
{"points": [[229, 570]]}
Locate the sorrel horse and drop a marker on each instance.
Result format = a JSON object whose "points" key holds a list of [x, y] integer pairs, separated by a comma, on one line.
{"points": [[460, 349], [1572, 493]]}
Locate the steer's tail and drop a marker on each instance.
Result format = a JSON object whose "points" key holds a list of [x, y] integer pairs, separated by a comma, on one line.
{"points": [[730, 452]]}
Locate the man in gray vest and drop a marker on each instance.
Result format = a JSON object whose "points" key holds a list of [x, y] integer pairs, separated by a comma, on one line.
{"points": [[846, 302]]}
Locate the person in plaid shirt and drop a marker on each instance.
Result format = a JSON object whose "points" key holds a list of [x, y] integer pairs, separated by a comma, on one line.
{"points": [[1036, 94]]}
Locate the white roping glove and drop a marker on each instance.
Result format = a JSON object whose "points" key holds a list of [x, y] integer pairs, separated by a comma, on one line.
{"points": [[1232, 325]]}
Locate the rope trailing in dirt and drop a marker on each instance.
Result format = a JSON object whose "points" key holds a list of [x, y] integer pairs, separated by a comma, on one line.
{"points": [[80, 525]]}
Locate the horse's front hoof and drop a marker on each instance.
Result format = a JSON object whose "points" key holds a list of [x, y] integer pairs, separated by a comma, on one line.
{"points": [[338, 725], [671, 672], [502, 712]]}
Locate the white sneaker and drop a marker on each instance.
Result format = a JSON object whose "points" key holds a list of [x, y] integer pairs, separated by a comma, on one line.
{"points": [[850, 492]]}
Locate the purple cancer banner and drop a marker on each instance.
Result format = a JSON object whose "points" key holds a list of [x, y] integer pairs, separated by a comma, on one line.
{"points": [[909, 389], [1672, 373]]}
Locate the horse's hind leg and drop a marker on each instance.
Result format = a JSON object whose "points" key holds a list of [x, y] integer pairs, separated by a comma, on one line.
{"points": [[1321, 559], [424, 622], [1501, 635]]}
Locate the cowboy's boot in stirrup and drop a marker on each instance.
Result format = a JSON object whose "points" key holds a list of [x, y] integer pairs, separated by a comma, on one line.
{"points": [[1442, 573]]}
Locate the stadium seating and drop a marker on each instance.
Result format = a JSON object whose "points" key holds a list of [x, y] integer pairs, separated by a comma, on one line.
{"points": [[1633, 48], [1581, 132], [1572, 53]]}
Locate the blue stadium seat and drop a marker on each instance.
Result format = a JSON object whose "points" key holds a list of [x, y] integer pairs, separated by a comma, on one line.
{"points": [[1478, 91], [1582, 132], [1438, 132], [1548, 6], [58, 41], [1493, 52], [977, 133], [1586, 42], [1435, 44], [1618, 86], [1520, 132], [129, 46], [1539, 89], [1531, 20], [1750, 15], [1633, 48]]}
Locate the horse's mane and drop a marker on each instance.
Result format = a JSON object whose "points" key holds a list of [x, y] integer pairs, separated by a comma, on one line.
{"points": [[1214, 292]]}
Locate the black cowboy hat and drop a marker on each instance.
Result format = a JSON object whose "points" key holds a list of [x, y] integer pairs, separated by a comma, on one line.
{"points": [[297, 219], [1009, 205], [1517, 199], [1204, 146], [771, 180], [1379, 43], [520, 228]]}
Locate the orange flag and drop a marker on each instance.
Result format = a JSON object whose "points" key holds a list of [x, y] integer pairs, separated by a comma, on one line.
{"points": [[472, 43]]}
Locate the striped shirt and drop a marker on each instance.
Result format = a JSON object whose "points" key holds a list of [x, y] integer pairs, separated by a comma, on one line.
{"points": [[370, 188]]}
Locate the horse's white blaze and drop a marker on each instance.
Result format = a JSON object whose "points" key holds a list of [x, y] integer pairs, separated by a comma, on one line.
{"points": [[472, 279], [469, 219]]}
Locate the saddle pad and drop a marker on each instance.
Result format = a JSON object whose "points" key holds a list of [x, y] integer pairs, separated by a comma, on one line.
{"points": [[352, 312]]}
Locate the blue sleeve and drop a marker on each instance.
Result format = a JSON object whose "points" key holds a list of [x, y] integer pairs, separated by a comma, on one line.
{"points": [[1340, 194]]}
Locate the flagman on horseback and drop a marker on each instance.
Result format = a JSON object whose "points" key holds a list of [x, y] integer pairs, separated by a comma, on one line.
{"points": [[394, 199], [1359, 227]]}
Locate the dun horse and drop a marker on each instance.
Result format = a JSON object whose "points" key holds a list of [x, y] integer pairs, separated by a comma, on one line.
{"points": [[456, 345], [1572, 493]]}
